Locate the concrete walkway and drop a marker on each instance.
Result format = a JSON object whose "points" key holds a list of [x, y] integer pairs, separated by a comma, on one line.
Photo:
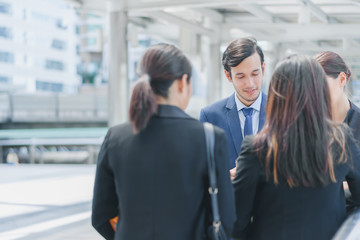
{"points": [[46, 202]]}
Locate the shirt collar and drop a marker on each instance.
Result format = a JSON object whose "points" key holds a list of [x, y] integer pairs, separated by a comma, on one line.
{"points": [[256, 105]]}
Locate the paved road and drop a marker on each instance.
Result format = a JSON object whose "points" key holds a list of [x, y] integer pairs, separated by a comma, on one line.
{"points": [[49, 202]]}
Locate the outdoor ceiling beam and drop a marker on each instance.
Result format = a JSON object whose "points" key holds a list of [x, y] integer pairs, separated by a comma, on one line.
{"points": [[313, 44], [182, 22], [232, 24], [160, 5], [317, 11], [260, 12], [91, 5], [311, 50], [297, 32], [354, 2], [139, 21], [304, 16], [356, 42], [75, 3], [214, 15], [343, 27], [347, 43]]}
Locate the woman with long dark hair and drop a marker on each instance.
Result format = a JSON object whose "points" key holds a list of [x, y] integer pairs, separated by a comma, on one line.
{"points": [[288, 183], [152, 172]]}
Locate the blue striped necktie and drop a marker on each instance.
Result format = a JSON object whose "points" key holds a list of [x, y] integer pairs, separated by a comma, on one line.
{"points": [[248, 121]]}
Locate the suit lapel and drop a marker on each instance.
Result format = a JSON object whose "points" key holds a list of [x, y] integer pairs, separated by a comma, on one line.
{"points": [[234, 123], [262, 112]]}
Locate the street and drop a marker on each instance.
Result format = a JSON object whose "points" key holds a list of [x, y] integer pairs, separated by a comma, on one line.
{"points": [[46, 202]]}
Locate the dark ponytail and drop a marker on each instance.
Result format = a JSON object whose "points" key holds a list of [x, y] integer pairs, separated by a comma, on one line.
{"points": [[143, 103], [159, 67]]}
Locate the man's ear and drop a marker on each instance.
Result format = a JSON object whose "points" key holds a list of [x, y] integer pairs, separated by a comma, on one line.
{"points": [[227, 75], [263, 68]]}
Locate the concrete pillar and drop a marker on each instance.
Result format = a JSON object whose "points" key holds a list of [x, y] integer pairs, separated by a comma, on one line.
{"points": [[214, 86], [118, 63], [32, 153], [2, 158], [214, 66]]}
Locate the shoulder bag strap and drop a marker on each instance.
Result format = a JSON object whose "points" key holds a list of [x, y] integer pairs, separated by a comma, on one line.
{"points": [[213, 190]]}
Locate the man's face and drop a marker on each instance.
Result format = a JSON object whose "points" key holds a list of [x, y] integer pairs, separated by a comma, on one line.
{"points": [[247, 78]]}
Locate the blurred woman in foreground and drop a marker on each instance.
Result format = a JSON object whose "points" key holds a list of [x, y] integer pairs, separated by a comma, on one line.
{"points": [[343, 110], [153, 173], [337, 75], [288, 183]]}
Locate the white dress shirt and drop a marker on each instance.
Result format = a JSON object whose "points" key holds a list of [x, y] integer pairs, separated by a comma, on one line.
{"points": [[255, 114]]}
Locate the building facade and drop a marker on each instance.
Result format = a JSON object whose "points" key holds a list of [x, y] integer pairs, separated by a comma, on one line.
{"points": [[39, 46]]}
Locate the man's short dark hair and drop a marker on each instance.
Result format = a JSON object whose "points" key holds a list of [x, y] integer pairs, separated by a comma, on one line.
{"points": [[238, 50]]}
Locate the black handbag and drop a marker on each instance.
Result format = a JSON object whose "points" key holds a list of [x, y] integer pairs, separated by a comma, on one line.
{"points": [[216, 230]]}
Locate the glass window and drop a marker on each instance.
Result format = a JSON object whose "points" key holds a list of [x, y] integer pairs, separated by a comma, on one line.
{"points": [[4, 79], [54, 65], [60, 24], [41, 17], [91, 28], [6, 57], [44, 18], [90, 15], [24, 14], [77, 30], [58, 44], [48, 86], [5, 8], [145, 42], [91, 41], [77, 49], [5, 32]]}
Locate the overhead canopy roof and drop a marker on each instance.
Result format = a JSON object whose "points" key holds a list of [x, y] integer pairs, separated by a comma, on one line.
{"points": [[282, 27], [302, 24]]}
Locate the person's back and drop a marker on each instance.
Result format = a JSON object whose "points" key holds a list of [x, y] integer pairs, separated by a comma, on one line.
{"points": [[284, 212], [153, 173], [163, 171], [288, 183]]}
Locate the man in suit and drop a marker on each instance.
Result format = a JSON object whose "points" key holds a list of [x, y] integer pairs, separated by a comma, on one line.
{"points": [[242, 113]]}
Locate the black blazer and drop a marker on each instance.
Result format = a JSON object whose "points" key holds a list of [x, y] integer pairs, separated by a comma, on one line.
{"points": [[156, 181], [279, 212], [353, 120]]}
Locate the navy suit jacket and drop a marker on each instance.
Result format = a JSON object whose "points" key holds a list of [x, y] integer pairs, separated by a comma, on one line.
{"points": [[224, 114]]}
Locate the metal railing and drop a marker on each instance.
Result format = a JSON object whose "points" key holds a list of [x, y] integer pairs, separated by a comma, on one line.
{"points": [[53, 108], [77, 143]]}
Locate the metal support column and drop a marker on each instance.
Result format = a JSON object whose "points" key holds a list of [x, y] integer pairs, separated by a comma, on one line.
{"points": [[2, 158], [214, 87], [91, 159], [118, 63], [213, 68], [32, 153]]}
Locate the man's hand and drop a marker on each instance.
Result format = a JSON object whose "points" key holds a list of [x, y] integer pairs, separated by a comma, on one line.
{"points": [[232, 173]]}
